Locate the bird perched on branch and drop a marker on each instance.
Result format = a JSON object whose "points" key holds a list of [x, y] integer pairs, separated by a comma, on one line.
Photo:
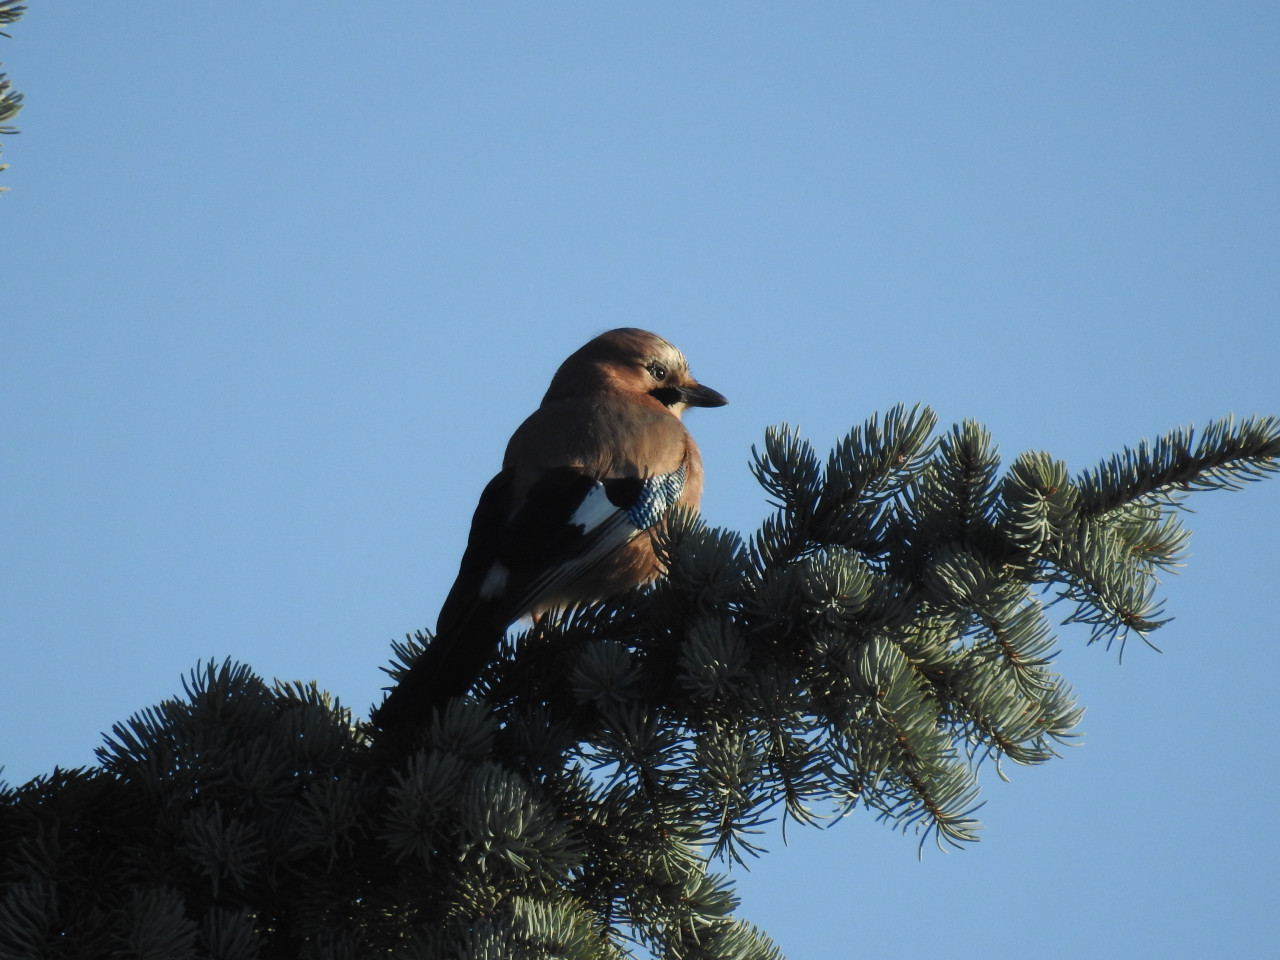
{"points": [[583, 479]]}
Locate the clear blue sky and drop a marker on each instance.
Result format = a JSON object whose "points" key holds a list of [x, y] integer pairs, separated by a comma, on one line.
{"points": [[280, 279]]}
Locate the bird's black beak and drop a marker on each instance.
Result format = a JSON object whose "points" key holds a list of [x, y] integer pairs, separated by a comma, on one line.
{"points": [[700, 396]]}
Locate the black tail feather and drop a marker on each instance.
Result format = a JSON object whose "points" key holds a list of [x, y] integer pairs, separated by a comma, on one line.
{"points": [[448, 667]]}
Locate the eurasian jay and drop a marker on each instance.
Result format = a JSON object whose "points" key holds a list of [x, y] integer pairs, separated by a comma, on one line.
{"points": [[583, 480]]}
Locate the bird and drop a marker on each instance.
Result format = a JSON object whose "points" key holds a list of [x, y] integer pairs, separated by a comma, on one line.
{"points": [[584, 479]]}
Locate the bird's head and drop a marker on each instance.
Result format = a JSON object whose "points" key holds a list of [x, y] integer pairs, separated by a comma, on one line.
{"points": [[633, 361]]}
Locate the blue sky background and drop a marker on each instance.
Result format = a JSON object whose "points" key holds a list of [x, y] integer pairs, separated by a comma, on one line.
{"points": [[279, 281]]}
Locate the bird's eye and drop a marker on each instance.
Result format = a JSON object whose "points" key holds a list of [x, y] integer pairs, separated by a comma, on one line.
{"points": [[657, 371]]}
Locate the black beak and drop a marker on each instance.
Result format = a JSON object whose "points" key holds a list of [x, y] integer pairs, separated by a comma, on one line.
{"points": [[700, 396]]}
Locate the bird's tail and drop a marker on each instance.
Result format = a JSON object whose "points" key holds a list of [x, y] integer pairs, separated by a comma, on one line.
{"points": [[447, 668]]}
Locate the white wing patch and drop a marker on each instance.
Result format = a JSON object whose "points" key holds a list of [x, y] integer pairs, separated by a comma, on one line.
{"points": [[494, 583], [594, 510], [605, 526]]}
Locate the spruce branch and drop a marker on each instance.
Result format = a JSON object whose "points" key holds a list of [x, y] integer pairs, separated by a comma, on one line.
{"points": [[1037, 499], [11, 11], [10, 105], [875, 642], [1163, 471], [848, 504], [1113, 590], [10, 101], [954, 493]]}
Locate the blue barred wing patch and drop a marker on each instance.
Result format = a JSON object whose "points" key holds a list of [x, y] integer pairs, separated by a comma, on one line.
{"points": [[656, 495]]}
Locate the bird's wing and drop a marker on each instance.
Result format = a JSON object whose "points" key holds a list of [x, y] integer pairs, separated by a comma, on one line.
{"points": [[568, 524], [523, 550]]}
